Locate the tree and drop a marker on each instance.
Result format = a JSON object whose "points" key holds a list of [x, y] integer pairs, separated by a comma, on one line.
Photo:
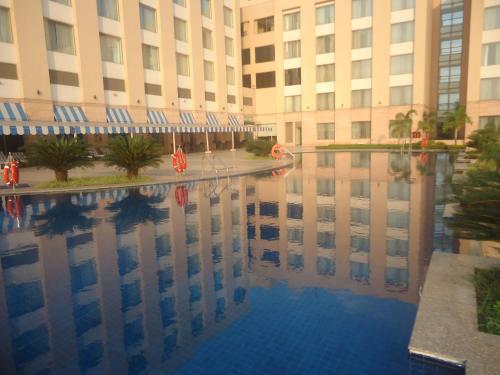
{"points": [[487, 142], [133, 154], [455, 120], [401, 125], [60, 155], [428, 124]]}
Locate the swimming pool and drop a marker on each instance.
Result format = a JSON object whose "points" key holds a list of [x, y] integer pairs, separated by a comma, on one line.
{"points": [[314, 269]]}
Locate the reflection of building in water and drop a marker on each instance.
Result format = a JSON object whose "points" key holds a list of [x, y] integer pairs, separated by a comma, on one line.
{"points": [[347, 225], [115, 297]]}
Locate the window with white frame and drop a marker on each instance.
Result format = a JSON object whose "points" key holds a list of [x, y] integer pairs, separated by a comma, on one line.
{"points": [[111, 48], [325, 73], [492, 18], [360, 129], [402, 4], [402, 64], [59, 37], [5, 26], [291, 21], [108, 9], [490, 89], [229, 46], [401, 95], [495, 120], [291, 49], [325, 131], [206, 8], [230, 76], [208, 68], [325, 101], [180, 30], [265, 25], [362, 38], [325, 44], [150, 57], [361, 98], [362, 69], [491, 54], [182, 3], [228, 17], [293, 103], [148, 17], [207, 39], [402, 32], [361, 8], [325, 14], [182, 63]]}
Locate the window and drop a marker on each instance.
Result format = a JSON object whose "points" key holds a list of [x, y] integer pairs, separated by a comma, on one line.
{"points": [[8, 71], [360, 216], [326, 186], [244, 28], [245, 56], [402, 32], [148, 18], [326, 131], [247, 101], [182, 3], [325, 73], [397, 219], [361, 98], [325, 14], [229, 46], [152, 89], [292, 77], [59, 37], [489, 119], [230, 77], [65, 2], [402, 4], [325, 101], [180, 30], [264, 53], [401, 95], [265, 25], [291, 21], [325, 44], [108, 9], [228, 17], [291, 49], [362, 38], [362, 69], [206, 35], [111, 49], [265, 80], [182, 62], [208, 68], [360, 188], [452, 18], [209, 96], [361, 8], [231, 99], [449, 74], [247, 81], [326, 159], [5, 26], [58, 77], [113, 84], [492, 18], [150, 57], [490, 89], [360, 130], [491, 54], [399, 190], [206, 8], [449, 47], [183, 93], [293, 103], [402, 64], [360, 159]]}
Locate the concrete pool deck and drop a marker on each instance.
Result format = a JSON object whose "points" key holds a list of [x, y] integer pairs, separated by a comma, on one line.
{"points": [[446, 325], [201, 166]]}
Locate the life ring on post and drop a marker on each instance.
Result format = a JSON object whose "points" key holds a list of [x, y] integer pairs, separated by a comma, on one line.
{"points": [[179, 161], [278, 151], [11, 173]]}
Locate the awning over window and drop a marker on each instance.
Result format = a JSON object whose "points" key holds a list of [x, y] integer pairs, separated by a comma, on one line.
{"points": [[187, 118], [157, 117], [68, 113], [12, 112], [118, 116], [233, 120], [212, 119]]}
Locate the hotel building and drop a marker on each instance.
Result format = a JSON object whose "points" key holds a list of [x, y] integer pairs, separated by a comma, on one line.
{"points": [[315, 72]]}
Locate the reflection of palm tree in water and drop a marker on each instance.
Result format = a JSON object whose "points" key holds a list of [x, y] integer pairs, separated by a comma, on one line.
{"points": [[400, 168], [135, 209], [64, 217]]}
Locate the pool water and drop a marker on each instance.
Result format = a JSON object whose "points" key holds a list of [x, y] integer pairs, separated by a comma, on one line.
{"points": [[314, 269]]}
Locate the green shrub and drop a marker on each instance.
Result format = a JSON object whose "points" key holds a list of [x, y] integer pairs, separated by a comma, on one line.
{"points": [[259, 147], [488, 299]]}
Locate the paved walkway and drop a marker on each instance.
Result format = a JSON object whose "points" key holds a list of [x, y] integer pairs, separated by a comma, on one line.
{"points": [[200, 166]]}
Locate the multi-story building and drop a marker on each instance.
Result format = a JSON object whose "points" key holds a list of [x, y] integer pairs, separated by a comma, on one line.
{"points": [[317, 72]]}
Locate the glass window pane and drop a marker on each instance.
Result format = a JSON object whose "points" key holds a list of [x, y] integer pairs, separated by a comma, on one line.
{"points": [[491, 54], [229, 46], [59, 37], [111, 49], [207, 38], [150, 57], [228, 17], [361, 8], [230, 75], [402, 4], [292, 49], [108, 9], [325, 44], [325, 101], [361, 98], [206, 8], [182, 62], [325, 14], [180, 30], [362, 69], [325, 73], [362, 38], [5, 26], [148, 18], [492, 18], [402, 32], [402, 64], [291, 21], [401, 95]]}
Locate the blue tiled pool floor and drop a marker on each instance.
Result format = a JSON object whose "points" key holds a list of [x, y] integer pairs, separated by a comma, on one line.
{"points": [[311, 331]]}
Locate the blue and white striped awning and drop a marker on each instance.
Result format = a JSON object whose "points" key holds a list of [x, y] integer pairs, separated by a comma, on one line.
{"points": [[68, 113], [187, 118], [12, 112], [233, 120], [157, 117], [212, 119], [118, 116]]}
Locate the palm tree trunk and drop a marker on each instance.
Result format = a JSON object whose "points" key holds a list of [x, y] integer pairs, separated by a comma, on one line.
{"points": [[456, 136], [61, 175], [132, 173]]}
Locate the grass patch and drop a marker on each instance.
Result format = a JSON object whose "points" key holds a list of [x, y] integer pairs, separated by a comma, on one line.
{"points": [[488, 299], [92, 181], [415, 146]]}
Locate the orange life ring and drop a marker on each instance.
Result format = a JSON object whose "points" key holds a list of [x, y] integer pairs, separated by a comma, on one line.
{"points": [[11, 173], [179, 161], [278, 151], [181, 195], [14, 207]]}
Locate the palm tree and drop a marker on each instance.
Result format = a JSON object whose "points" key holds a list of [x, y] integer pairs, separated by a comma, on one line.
{"points": [[428, 124], [456, 120], [133, 154], [401, 125], [60, 155]]}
